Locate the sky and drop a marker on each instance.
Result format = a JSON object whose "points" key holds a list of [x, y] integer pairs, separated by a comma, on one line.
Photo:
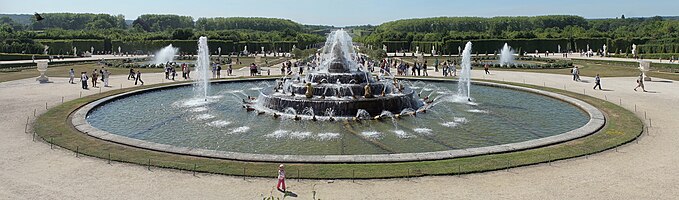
{"points": [[348, 12]]}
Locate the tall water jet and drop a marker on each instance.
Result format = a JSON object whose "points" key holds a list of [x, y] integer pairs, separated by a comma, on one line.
{"points": [[201, 83], [506, 55], [464, 83], [165, 55]]}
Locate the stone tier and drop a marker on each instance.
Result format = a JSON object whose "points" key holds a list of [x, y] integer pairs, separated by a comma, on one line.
{"points": [[345, 107]]}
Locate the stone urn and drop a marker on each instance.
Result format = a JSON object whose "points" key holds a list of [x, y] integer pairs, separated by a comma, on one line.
{"points": [[42, 68]]}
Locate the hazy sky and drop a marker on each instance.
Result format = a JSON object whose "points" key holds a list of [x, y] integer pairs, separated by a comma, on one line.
{"points": [[348, 12]]}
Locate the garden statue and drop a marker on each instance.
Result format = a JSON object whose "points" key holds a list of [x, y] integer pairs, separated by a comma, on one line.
{"points": [[368, 93], [309, 91]]}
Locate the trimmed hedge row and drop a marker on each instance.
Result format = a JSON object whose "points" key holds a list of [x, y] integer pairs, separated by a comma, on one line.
{"points": [[490, 46], [149, 46]]}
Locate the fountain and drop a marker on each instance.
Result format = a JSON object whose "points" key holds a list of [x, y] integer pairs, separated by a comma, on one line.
{"points": [[165, 55], [337, 109], [201, 83], [338, 64], [464, 84], [506, 55]]}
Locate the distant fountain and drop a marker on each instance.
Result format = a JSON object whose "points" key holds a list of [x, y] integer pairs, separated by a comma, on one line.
{"points": [[164, 55], [506, 55], [464, 83], [201, 84]]}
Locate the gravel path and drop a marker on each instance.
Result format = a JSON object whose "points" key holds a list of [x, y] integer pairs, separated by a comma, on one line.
{"points": [[648, 170]]}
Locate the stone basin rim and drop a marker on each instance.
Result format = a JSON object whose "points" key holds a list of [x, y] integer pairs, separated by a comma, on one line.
{"points": [[596, 122]]}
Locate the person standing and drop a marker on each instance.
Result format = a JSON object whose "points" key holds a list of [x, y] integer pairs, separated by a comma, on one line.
{"points": [[640, 83], [104, 75], [453, 69], [71, 75], [229, 71], [174, 73], [419, 68], [281, 178], [83, 79], [101, 71], [424, 67], [219, 71], [94, 78], [597, 82], [138, 78]]}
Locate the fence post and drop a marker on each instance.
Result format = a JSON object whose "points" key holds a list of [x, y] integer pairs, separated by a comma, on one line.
{"points": [[109, 158], [194, 168], [51, 142], [549, 159], [62, 99], [645, 115], [353, 175], [45, 105], [243, 173], [81, 94], [26, 128], [650, 123], [408, 174], [77, 149]]}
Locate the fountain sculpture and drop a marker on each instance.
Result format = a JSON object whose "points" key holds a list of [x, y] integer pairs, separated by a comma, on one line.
{"points": [[338, 84]]}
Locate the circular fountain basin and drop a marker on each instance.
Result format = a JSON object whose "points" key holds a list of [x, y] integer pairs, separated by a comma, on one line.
{"points": [[501, 118]]}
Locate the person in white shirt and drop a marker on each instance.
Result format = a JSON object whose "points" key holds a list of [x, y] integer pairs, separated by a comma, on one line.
{"points": [[71, 75]]}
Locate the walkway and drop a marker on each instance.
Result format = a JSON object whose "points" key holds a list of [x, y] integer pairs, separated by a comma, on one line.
{"points": [[647, 170]]}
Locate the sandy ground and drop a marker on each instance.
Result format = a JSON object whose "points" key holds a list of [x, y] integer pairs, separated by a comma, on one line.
{"points": [[647, 170]]}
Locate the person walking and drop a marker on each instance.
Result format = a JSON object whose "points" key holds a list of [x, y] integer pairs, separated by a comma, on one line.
{"points": [[485, 68], [138, 78], [597, 82], [575, 71], [71, 75], [281, 178], [640, 83], [131, 74]]}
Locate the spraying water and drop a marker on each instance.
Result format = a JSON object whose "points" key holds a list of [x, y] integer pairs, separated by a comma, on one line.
{"points": [[164, 55], [201, 83], [506, 55], [464, 83]]}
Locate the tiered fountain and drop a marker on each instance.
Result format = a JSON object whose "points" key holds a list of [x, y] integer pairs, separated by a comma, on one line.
{"points": [[338, 87]]}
